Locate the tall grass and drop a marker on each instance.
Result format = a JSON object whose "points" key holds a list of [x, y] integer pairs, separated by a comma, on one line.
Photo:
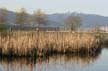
{"points": [[32, 43]]}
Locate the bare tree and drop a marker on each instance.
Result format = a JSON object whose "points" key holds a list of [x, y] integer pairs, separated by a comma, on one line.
{"points": [[73, 22], [21, 17], [39, 17], [3, 15]]}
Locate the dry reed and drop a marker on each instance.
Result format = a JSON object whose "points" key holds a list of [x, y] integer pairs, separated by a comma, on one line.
{"points": [[31, 43]]}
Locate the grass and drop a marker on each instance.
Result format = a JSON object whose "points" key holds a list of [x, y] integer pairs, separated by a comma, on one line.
{"points": [[34, 43]]}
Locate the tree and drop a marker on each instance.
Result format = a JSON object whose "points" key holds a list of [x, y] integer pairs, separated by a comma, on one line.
{"points": [[39, 17], [3, 15], [21, 17], [73, 22]]}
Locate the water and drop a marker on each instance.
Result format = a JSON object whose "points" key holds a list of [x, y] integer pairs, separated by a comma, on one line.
{"points": [[95, 62]]}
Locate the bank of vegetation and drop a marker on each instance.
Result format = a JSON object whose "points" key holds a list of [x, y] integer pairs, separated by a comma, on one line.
{"points": [[40, 43]]}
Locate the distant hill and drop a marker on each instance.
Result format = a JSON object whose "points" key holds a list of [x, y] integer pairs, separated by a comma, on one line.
{"points": [[57, 19], [88, 20]]}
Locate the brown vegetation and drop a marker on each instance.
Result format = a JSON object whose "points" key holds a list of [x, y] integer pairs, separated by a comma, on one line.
{"points": [[29, 43]]}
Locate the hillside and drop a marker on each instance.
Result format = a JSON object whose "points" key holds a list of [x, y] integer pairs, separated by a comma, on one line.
{"points": [[57, 19]]}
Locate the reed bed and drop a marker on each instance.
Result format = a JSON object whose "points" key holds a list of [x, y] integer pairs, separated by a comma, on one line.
{"points": [[39, 43]]}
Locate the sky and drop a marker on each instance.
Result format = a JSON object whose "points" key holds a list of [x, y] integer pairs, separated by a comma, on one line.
{"points": [[58, 6]]}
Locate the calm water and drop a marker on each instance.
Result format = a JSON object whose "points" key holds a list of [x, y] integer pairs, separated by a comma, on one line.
{"points": [[96, 62]]}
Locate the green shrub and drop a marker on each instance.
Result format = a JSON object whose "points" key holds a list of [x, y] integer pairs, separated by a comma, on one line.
{"points": [[2, 26]]}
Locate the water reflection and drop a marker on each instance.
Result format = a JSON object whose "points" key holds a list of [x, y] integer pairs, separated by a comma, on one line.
{"points": [[49, 63]]}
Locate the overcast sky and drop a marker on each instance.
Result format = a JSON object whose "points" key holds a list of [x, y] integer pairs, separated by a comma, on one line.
{"points": [[59, 6]]}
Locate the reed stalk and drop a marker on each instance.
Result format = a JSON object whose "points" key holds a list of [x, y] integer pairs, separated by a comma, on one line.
{"points": [[24, 43]]}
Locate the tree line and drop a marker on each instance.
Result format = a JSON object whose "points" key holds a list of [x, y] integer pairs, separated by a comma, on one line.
{"points": [[39, 18]]}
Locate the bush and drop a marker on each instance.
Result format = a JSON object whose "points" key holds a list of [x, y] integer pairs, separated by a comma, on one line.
{"points": [[2, 26]]}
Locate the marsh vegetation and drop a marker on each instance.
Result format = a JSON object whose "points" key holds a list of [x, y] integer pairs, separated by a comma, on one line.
{"points": [[41, 43]]}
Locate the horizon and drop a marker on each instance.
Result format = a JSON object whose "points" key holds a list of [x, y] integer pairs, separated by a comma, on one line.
{"points": [[52, 7]]}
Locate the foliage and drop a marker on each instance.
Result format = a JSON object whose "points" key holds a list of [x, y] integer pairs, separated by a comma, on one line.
{"points": [[2, 27]]}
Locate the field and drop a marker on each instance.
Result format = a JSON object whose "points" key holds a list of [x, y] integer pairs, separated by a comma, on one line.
{"points": [[40, 43]]}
